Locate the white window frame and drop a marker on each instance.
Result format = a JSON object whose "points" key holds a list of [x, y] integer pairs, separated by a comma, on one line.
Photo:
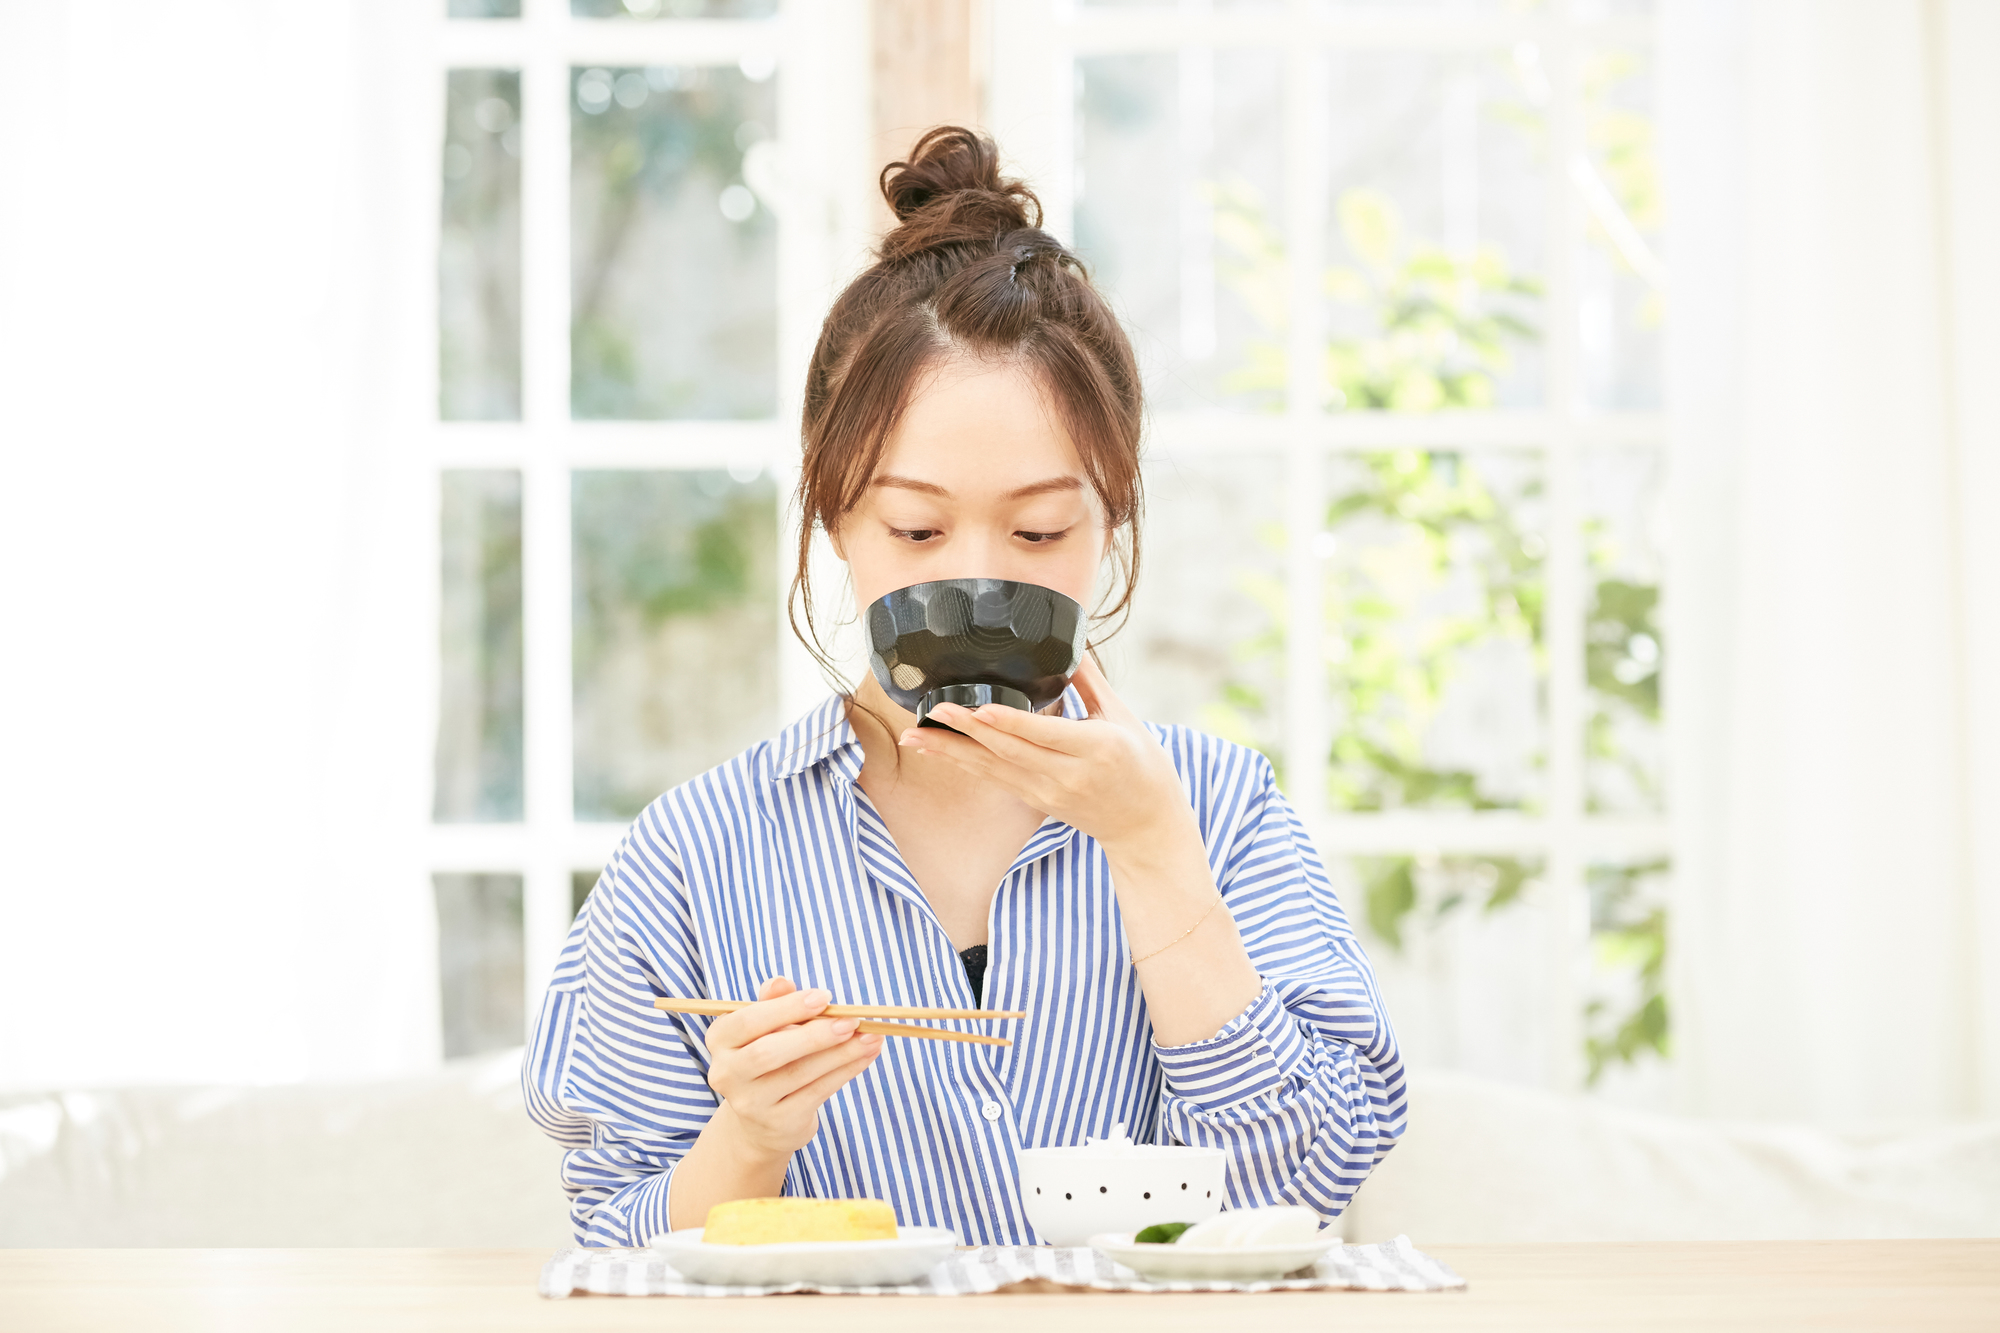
{"points": [[1034, 44], [823, 58]]}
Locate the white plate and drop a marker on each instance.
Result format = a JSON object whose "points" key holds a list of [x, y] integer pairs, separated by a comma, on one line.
{"points": [[1211, 1263], [834, 1263]]}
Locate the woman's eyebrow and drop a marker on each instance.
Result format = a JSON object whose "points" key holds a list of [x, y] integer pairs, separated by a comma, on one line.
{"points": [[1046, 487], [910, 484], [1043, 487]]}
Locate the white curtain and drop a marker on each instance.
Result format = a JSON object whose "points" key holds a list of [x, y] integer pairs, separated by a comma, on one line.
{"points": [[202, 764], [1833, 169]]}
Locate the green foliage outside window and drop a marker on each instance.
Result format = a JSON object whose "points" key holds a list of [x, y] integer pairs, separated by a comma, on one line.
{"points": [[1440, 332], [1628, 939], [1396, 888], [1621, 654], [1440, 340]]}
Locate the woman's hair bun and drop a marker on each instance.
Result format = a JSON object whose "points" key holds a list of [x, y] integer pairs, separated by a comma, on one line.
{"points": [[951, 192]]}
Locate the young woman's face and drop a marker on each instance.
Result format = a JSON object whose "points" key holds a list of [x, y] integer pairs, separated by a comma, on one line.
{"points": [[979, 480]]}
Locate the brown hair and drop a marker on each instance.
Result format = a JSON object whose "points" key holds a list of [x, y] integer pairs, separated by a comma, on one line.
{"points": [[967, 270]]}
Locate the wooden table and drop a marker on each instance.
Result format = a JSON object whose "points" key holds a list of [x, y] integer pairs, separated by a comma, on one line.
{"points": [[1953, 1284]]}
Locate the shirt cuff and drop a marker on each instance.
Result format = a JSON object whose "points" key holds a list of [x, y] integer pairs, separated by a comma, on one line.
{"points": [[1256, 1053], [632, 1217]]}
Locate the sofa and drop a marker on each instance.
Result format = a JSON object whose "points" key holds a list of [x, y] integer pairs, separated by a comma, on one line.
{"points": [[450, 1159]]}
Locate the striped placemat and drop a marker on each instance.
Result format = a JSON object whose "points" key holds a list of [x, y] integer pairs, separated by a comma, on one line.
{"points": [[1394, 1265]]}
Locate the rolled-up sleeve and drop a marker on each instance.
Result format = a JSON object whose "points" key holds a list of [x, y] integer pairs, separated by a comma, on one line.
{"points": [[1304, 1089], [622, 1086]]}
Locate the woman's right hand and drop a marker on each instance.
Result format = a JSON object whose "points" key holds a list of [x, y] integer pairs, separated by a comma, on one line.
{"points": [[774, 1062]]}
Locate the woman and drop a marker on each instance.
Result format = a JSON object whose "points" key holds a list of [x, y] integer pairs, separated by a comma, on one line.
{"points": [[973, 410]]}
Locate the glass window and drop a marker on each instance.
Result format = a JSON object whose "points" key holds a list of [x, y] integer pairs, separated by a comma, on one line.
{"points": [[1436, 235], [1434, 588], [1202, 647], [478, 758], [581, 882], [1177, 189], [673, 243], [1625, 1005], [673, 9], [1459, 959], [480, 962], [675, 629], [1624, 651], [479, 248], [1621, 276]]}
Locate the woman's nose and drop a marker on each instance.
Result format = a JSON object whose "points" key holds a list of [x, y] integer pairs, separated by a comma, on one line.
{"points": [[986, 555]]}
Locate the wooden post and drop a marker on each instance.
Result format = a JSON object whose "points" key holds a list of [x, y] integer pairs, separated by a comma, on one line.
{"points": [[930, 69]]}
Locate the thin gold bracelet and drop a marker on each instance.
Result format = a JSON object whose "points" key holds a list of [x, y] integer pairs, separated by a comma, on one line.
{"points": [[1184, 934]]}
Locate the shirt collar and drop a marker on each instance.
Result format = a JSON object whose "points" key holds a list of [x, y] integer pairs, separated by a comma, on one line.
{"points": [[825, 735]]}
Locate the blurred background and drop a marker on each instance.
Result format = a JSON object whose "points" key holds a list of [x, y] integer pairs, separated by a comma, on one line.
{"points": [[1570, 461]]}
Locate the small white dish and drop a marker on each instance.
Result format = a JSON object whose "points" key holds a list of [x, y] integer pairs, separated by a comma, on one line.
{"points": [[832, 1263], [1212, 1263]]}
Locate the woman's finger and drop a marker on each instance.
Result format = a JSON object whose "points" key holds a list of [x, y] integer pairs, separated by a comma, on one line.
{"points": [[1034, 788], [823, 1087], [1061, 734], [994, 728], [755, 1021], [783, 1082], [768, 1053]]}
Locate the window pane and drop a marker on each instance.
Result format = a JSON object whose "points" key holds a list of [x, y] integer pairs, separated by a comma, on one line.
{"points": [[1204, 646], [1178, 199], [479, 248], [1624, 515], [1459, 952], [676, 625], [1620, 277], [673, 9], [478, 763], [1435, 164], [480, 962], [483, 9], [1141, 7], [581, 882], [1443, 9], [1434, 630], [1626, 1020], [673, 245]]}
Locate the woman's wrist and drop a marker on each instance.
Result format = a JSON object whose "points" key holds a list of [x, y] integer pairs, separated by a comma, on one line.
{"points": [[1169, 844], [725, 1163], [733, 1137]]}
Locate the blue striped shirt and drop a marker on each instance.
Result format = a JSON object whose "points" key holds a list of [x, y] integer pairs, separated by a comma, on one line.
{"points": [[777, 863]]}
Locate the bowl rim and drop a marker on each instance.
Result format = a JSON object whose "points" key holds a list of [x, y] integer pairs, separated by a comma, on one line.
{"points": [[1130, 1152]]}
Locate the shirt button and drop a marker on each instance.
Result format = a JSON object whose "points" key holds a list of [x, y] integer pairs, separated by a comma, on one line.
{"points": [[990, 1110]]}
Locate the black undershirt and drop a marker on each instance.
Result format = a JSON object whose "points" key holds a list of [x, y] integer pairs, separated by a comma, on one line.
{"points": [[975, 969]]}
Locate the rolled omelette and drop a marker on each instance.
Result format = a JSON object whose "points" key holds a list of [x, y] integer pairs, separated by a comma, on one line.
{"points": [[782, 1221]]}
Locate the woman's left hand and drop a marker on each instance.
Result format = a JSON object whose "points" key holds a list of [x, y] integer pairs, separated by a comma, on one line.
{"points": [[1105, 774]]}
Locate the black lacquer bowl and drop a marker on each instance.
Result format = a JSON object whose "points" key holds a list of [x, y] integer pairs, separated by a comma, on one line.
{"points": [[973, 642]]}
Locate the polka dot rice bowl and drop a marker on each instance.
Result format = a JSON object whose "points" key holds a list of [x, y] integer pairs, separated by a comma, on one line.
{"points": [[1117, 1185]]}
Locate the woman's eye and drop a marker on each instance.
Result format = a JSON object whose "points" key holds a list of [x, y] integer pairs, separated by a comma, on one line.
{"points": [[1035, 538], [913, 534]]}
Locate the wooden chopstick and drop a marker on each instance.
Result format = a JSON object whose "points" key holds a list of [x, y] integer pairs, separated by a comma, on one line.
{"points": [[935, 1034], [869, 1014], [674, 1005]]}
